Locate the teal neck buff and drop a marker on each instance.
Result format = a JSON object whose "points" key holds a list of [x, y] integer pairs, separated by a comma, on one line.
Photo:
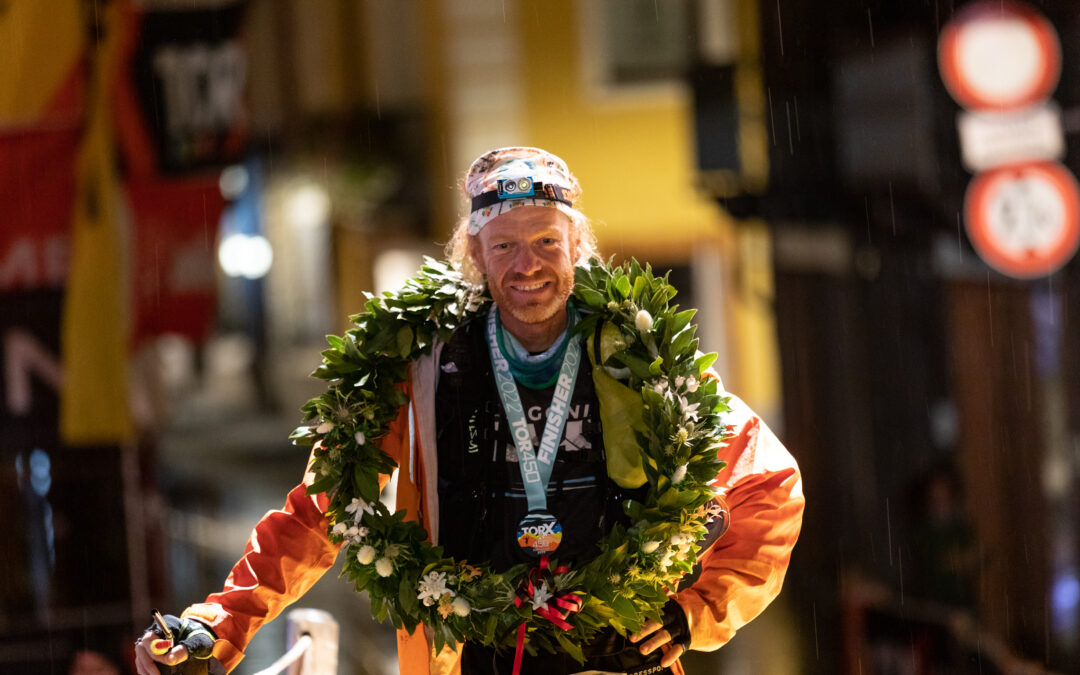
{"points": [[536, 371]]}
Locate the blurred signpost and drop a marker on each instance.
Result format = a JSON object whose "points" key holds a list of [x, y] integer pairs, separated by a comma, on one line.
{"points": [[989, 140], [1002, 61]]}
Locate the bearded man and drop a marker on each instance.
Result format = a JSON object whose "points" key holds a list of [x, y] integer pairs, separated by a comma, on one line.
{"points": [[505, 448]]}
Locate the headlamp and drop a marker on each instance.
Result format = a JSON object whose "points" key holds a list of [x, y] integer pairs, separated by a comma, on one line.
{"points": [[509, 188], [520, 188]]}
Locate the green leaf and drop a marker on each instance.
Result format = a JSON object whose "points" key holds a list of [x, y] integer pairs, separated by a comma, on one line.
{"points": [[336, 342], [704, 361], [407, 595], [570, 647], [681, 343], [654, 367], [322, 485], [682, 320], [404, 341], [301, 432], [624, 608], [591, 298], [367, 482], [638, 366], [622, 286]]}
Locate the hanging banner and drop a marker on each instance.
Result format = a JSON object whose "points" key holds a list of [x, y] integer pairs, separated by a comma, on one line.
{"points": [[174, 244], [1024, 220], [188, 68], [37, 190]]}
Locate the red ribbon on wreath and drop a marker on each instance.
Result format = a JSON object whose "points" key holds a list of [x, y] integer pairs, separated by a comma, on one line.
{"points": [[557, 608]]}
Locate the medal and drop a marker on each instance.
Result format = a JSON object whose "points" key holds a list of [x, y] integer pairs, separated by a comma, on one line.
{"points": [[538, 533]]}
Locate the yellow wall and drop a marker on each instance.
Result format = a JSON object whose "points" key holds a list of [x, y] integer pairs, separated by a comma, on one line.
{"points": [[635, 161]]}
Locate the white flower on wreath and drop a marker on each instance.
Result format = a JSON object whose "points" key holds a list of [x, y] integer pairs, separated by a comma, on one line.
{"points": [[461, 606], [541, 596], [681, 436], [432, 587], [384, 567], [358, 507], [643, 321], [365, 555], [662, 386], [679, 475], [351, 533], [681, 543], [689, 410], [650, 546], [360, 438], [690, 383], [324, 428], [680, 540]]}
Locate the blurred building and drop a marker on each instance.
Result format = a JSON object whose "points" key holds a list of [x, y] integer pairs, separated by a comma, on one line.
{"points": [[902, 350]]}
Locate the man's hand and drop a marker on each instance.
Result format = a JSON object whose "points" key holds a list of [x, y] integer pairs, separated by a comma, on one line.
{"points": [[672, 635], [145, 658], [171, 641], [660, 637]]}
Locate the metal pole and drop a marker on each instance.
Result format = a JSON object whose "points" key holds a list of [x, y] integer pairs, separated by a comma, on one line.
{"points": [[322, 656]]}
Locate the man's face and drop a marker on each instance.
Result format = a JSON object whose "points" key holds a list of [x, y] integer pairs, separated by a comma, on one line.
{"points": [[528, 255]]}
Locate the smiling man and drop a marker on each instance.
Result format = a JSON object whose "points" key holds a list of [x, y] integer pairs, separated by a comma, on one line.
{"points": [[503, 446]]}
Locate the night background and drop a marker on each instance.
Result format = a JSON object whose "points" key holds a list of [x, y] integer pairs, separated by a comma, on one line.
{"points": [[871, 204]]}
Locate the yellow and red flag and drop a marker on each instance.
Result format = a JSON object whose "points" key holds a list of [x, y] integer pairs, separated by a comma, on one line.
{"points": [[94, 406]]}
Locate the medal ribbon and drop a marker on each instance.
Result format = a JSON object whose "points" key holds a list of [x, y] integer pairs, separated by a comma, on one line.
{"points": [[535, 466], [568, 603]]}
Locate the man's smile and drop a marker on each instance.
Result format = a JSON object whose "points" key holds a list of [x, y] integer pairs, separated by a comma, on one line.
{"points": [[522, 287]]}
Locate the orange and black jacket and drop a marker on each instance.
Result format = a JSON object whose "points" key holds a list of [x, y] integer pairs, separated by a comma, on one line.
{"points": [[741, 572]]}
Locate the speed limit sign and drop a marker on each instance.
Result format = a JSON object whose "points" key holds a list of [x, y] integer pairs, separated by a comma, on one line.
{"points": [[1024, 219]]}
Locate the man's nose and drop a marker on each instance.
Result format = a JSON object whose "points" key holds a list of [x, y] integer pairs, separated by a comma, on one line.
{"points": [[526, 261]]}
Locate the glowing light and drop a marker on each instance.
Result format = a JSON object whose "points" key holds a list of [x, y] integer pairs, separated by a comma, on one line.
{"points": [[394, 267], [40, 472], [244, 255], [233, 181], [1065, 596], [307, 206]]}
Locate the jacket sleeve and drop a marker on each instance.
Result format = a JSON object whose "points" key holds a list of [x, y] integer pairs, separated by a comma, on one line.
{"points": [[287, 552], [744, 570]]}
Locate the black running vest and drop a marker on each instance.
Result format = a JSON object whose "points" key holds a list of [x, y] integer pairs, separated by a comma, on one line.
{"points": [[481, 495]]}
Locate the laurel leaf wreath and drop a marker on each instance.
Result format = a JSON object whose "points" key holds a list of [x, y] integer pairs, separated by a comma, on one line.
{"points": [[646, 344]]}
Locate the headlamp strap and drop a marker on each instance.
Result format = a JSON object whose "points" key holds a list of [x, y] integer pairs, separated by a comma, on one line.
{"points": [[540, 191]]}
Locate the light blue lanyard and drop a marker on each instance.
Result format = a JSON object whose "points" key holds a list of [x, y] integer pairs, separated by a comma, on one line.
{"points": [[535, 466]]}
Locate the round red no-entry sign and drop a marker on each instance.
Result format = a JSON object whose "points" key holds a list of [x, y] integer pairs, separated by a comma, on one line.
{"points": [[999, 56], [1024, 219]]}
